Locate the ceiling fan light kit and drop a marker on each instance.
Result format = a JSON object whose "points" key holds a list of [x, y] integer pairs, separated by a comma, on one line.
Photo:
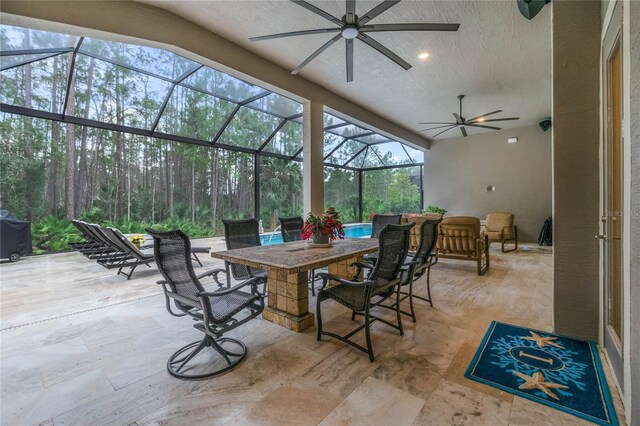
{"points": [[462, 123], [351, 27]]}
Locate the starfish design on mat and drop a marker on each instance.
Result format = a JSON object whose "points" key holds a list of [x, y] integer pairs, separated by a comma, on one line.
{"points": [[537, 381], [542, 341]]}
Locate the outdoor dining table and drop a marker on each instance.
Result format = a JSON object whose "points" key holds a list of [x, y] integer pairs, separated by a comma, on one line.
{"points": [[287, 267]]}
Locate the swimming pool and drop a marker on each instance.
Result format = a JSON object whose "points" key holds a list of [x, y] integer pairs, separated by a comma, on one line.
{"points": [[354, 230]]}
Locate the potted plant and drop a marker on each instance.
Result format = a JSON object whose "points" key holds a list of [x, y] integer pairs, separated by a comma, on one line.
{"points": [[324, 228], [137, 239]]}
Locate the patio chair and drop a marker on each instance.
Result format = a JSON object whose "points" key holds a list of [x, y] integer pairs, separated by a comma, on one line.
{"points": [[381, 283], [378, 222], [133, 256], [216, 312], [291, 230], [460, 238], [499, 227], [422, 260], [240, 234]]}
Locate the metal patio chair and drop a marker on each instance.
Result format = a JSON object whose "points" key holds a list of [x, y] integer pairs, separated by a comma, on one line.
{"points": [[215, 312], [381, 283]]}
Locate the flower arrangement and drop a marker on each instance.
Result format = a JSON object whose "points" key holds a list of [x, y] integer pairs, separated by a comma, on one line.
{"points": [[324, 228], [137, 239]]}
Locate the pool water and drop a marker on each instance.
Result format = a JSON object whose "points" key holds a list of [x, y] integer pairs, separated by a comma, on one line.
{"points": [[356, 230]]}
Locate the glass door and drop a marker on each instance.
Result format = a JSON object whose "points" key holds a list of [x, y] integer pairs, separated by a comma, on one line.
{"points": [[613, 217]]}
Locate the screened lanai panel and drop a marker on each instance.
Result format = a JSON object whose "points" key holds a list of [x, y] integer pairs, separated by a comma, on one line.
{"points": [[17, 38], [416, 155], [331, 142], [345, 152], [341, 193], [371, 158], [332, 120], [249, 128], [194, 114], [349, 130], [156, 61], [221, 84], [117, 94], [40, 85], [287, 141], [372, 139], [277, 105], [10, 61], [393, 153]]}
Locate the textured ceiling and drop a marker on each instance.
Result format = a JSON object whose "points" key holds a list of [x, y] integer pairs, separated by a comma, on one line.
{"points": [[498, 59]]}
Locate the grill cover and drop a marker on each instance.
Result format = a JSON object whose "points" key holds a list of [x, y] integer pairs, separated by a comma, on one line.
{"points": [[15, 235]]}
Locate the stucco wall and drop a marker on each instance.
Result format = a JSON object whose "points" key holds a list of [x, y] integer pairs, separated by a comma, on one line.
{"points": [[576, 164], [457, 172]]}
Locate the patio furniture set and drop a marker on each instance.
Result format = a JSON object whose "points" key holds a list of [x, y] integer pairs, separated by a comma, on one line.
{"points": [[111, 249]]}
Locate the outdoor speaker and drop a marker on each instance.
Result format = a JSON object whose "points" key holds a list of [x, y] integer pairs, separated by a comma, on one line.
{"points": [[545, 124], [530, 8]]}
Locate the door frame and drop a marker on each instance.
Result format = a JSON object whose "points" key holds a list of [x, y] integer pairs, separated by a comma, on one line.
{"points": [[618, 9]]}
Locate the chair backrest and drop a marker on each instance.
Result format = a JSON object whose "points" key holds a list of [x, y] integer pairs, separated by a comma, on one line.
{"points": [[241, 234], [428, 238], [458, 235], [123, 242], [80, 226], [172, 251], [291, 228], [393, 247], [381, 220], [498, 221]]}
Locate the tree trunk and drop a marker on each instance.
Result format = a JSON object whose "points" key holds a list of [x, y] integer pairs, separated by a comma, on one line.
{"points": [[82, 186], [193, 190], [214, 188], [70, 169]]}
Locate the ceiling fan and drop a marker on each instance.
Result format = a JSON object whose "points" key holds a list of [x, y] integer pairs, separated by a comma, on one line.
{"points": [[462, 122], [352, 26]]}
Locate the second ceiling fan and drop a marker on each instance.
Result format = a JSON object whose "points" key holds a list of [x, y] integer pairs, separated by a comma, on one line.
{"points": [[462, 122], [352, 26]]}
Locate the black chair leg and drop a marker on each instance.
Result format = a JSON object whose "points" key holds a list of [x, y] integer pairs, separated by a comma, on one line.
{"points": [[398, 313], [319, 317], [367, 334]]}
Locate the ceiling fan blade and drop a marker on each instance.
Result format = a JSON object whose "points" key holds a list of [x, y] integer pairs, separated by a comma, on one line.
{"points": [[386, 52], [318, 11], [437, 127], [484, 115], [386, 4], [410, 27], [350, 16], [464, 131], [457, 117], [484, 127], [436, 122], [349, 48], [316, 53], [295, 33], [497, 119], [445, 130]]}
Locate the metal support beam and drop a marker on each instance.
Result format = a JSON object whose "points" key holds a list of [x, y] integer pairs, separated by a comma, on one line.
{"points": [[421, 188], [360, 197], [36, 51], [30, 61], [72, 70], [256, 186], [336, 148], [234, 112]]}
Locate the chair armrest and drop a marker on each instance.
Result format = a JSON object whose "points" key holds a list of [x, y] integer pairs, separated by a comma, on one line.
{"points": [[252, 282], [214, 274], [326, 277]]}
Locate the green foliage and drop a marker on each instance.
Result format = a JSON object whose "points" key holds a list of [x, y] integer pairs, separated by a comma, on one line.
{"points": [[51, 234], [434, 209]]}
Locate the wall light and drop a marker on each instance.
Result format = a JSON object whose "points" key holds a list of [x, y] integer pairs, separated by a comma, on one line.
{"points": [[424, 56], [512, 140]]}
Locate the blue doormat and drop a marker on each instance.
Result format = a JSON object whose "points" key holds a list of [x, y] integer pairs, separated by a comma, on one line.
{"points": [[557, 371]]}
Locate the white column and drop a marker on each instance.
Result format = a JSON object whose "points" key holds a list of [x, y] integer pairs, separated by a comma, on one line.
{"points": [[313, 157]]}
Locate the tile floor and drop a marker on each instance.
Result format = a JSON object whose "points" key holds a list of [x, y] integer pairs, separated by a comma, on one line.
{"points": [[82, 346]]}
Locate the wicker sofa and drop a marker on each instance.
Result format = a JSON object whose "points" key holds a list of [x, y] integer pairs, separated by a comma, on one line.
{"points": [[459, 237]]}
